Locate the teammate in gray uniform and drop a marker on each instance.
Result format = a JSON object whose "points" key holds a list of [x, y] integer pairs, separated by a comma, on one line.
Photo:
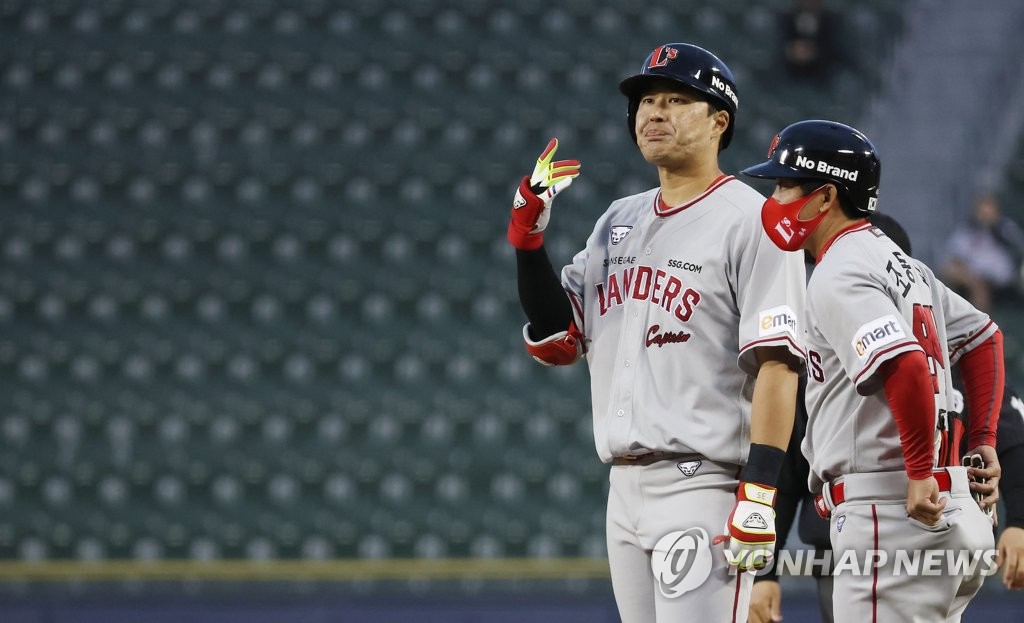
{"points": [[687, 317], [882, 335], [766, 597]]}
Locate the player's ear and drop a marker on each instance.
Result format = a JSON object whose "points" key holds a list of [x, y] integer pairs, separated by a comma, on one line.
{"points": [[721, 119], [831, 197]]}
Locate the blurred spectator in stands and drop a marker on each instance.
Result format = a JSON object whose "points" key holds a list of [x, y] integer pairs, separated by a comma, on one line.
{"points": [[985, 254], [811, 49]]}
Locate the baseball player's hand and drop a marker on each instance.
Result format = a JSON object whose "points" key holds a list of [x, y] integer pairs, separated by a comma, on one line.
{"points": [[985, 481], [750, 528], [531, 208], [1011, 557], [765, 602], [923, 501]]}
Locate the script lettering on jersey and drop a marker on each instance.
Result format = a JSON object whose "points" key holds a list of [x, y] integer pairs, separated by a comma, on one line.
{"points": [[643, 283], [655, 337]]}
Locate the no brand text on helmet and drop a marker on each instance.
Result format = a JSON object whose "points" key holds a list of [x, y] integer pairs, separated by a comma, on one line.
{"points": [[821, 166]]}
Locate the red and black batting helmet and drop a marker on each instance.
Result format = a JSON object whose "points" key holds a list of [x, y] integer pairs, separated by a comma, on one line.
{"points": [[688, 65], [829, 151]]}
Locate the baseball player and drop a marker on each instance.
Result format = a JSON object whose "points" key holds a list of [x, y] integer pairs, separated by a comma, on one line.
{"points": [[766, 596], [1010, 445], [882, 333], [686, 315], [1010, 449]]}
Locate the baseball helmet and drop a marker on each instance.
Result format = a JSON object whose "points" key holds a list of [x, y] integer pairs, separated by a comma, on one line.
{"points": [[829, 151], [689, 65]]}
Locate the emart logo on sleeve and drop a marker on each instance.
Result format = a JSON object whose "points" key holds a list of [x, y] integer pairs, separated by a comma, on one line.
{"points": [[776, 320], [877, 333]]}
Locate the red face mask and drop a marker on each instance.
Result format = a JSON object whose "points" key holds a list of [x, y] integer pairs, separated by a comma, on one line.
{"points": [[781, 221]]}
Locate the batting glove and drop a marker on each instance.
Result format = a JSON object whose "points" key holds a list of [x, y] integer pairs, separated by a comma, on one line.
{"points": [[750, 528], [531, 208]]}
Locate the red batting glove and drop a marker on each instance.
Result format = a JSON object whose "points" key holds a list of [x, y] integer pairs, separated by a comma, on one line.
{"points": [[750, 528], [531, 208]]}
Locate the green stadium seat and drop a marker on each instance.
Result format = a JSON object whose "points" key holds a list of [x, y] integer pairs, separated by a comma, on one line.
{"points": [[246, 251]]}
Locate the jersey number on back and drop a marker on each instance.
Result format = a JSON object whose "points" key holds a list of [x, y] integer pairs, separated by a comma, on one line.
{"points": [[924, 330], [928, 337]]}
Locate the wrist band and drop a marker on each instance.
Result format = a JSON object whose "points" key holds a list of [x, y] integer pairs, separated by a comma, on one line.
{"points": [[763, 465]]}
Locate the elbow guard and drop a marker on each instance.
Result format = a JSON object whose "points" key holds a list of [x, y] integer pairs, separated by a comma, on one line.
{"points": [[560, 349]]}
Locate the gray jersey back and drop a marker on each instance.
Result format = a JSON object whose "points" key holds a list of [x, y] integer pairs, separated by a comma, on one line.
{"points": [[672, 304], [868, 302]]}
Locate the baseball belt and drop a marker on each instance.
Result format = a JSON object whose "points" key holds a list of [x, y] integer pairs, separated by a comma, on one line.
{"points": [[653, 457], [834, 495]]}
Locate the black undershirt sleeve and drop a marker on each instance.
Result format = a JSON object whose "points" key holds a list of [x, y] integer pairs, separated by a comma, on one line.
{"points": [[1010, 448], [1011, 486], [546, 304], [1010, 430]]}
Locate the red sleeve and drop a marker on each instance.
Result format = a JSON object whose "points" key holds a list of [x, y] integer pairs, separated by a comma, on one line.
{"points": [[911, 397], [983, 374]]}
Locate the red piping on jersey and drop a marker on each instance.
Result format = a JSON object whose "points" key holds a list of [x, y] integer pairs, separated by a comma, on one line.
{"points": [[736, 597], [955, 353], [871, 362], [663, 209], [579, 309], [874, 580], [855, 226], [795, 346]]}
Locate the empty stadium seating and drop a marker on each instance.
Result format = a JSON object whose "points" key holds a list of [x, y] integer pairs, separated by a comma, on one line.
{"points": [[255, 299]]}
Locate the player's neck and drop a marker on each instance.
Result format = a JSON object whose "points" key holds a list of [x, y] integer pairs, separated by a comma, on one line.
{"points": [[679, 186], [823, 236]]}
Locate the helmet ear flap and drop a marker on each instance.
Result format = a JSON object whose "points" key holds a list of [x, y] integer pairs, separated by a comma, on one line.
{"points": [[634, 105]]}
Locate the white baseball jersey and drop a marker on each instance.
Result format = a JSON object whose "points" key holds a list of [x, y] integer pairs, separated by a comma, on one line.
{"points": [[672, 301], [867, 303]]}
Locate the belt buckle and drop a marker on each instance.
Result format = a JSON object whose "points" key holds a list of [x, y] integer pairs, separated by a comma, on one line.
{"points": [[821, 507], [823, 503]]}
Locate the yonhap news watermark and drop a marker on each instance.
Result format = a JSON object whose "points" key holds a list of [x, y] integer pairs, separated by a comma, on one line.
{"points": [[683, 560], [917, 562]]}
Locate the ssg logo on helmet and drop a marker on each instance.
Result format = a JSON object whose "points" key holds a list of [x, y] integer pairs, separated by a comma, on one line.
{"points": [[661, 56]]}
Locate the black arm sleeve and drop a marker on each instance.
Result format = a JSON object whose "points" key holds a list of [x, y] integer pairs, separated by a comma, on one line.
{"points": [[1010, 447], [1010, 430], [1011, 486], [546, 304]]}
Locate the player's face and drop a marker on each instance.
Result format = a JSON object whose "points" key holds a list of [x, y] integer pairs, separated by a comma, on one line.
{"points": [[673, 124]]}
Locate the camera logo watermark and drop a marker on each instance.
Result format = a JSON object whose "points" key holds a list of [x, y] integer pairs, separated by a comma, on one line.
{"points": [[682, 561]]}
